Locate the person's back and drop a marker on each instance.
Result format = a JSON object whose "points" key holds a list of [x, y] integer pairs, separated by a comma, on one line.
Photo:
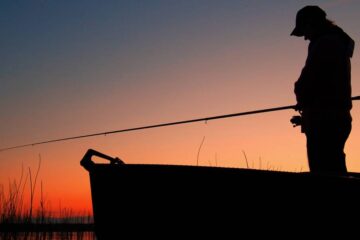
{"points": [[323, 90]]}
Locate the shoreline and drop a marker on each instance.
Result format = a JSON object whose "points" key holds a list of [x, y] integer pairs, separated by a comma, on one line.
{"points": [[47, 227]]}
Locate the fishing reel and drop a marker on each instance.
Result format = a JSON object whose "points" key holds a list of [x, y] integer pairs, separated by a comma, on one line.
{"points": [[296, 121]]}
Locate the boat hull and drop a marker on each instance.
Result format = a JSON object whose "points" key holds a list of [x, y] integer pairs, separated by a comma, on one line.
{"points": [[152, 198]]}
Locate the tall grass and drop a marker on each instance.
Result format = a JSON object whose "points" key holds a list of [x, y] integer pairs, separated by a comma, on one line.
{"points": [[198, 154], [16, 215], [11, 203]]}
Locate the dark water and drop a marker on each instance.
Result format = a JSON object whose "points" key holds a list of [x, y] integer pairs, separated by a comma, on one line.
{"points": [[48, 236]]}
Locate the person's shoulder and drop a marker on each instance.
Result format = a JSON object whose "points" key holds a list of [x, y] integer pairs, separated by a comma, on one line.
{"points": [[336, 41], [330, 39], [330, 43]]}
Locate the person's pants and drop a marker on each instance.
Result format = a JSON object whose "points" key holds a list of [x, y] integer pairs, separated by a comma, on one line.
{"points": [[325, 147]]}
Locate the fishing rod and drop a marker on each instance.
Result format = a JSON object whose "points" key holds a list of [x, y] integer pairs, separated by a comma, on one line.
{"points": [[162, 125]]}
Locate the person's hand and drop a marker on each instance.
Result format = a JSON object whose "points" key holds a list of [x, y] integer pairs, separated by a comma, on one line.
{"points": [[296, 121], [297, 107]]}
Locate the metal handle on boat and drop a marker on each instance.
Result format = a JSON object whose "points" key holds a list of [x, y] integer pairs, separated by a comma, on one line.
{"points": [[87, 163]]}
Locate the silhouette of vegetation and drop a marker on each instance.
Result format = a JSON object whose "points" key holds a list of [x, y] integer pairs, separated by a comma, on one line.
{"points": [[198, 154], [21, 221]]}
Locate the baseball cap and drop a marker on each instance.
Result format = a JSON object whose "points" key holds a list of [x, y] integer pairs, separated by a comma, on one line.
{"points": [[306, 14]]}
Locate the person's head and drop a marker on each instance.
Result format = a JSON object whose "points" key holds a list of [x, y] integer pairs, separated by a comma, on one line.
{"points": [[309, 21]]}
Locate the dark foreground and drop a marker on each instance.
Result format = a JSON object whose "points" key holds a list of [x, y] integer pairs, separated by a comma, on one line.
{"points": [[53, 231], [156, 199], [48, 227]]}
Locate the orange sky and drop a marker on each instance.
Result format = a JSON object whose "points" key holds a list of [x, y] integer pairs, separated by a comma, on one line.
{"points": [[81, 74]]}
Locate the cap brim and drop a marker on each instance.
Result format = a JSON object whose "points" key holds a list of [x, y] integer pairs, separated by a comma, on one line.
{"points": [[297, 32]]}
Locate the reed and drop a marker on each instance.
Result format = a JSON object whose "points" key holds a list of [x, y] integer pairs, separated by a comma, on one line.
{"points": [[36, 220]]}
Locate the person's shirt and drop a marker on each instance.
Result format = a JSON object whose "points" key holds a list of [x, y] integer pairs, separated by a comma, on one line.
{"points": [[325, 81]]}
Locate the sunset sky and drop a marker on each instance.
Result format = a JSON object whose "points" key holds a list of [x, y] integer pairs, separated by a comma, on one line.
{"points": [[70, 68]]}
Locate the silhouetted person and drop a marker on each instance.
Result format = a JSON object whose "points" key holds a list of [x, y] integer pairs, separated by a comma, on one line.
{"points": [[323, 90]]}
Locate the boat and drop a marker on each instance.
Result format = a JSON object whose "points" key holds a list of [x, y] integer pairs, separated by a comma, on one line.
{"points": [[148, 199]]}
